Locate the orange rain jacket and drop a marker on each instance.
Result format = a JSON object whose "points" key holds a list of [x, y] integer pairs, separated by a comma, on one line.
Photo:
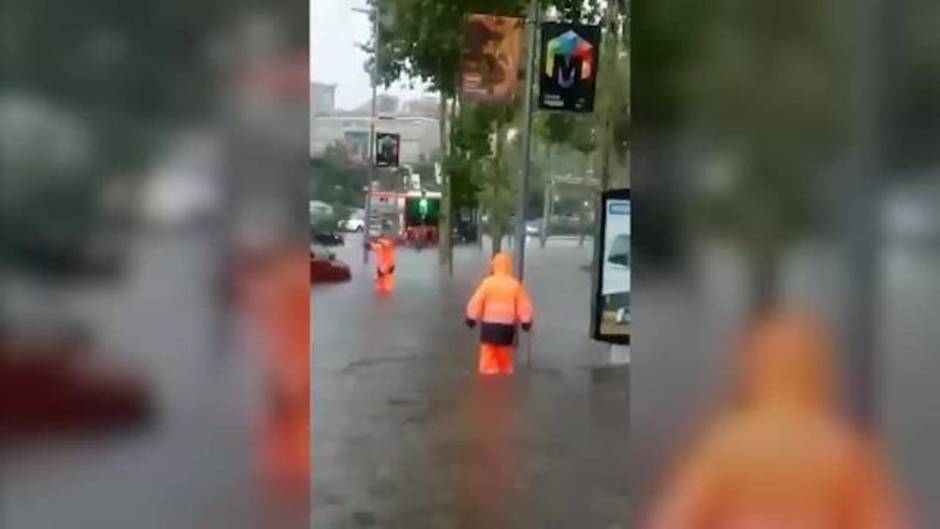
{"points": [[385, 255], [783, 457], [500, 302]]}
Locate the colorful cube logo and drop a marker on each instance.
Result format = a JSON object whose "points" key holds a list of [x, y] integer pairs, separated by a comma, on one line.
{"points": [[572, 57]]}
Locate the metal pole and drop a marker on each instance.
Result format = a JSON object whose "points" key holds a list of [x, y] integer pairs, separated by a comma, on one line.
{"points": [[859, 199], [375, 75], [533, 26], [546, 209]]}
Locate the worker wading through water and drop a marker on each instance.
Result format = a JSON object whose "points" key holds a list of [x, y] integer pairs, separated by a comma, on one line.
{"points": [[385, 267], [500, 303]]}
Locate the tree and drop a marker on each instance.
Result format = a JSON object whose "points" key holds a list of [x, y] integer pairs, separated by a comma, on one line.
{"points": [[336, 180], [132, 74], [613, 98], [418, 41], [765, 65], [477, 163]]}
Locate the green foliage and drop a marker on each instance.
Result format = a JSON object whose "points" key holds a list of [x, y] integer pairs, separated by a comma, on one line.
{"points": [[579, 11], [422, 39], [127, 74], [613, 101], [607, 129], [791, 73], [336, 180], [470, 143]]}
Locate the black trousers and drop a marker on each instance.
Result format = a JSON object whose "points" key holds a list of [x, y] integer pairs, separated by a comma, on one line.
{"points": [[497, 333]]}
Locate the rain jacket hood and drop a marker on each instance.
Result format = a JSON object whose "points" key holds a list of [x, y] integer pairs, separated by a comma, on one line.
{"points": [[786, 363], [784, 457], [502, 264]]}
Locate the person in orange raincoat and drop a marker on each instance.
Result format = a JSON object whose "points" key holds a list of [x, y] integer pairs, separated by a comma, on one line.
{"points": [[385, 266], [782, 457], [275, 294], [501, 303]]}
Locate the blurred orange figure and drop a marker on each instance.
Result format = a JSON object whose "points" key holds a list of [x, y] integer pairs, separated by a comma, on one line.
{"points": [[385, 266], [782, 458], [501, 302], [277, 298]]}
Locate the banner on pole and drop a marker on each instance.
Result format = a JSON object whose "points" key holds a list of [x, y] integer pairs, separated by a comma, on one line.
{"points": [[491, 57], [387, 146], [568, 66]]}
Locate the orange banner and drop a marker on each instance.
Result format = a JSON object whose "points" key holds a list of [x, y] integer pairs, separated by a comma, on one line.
{"points": [[492, 57]]}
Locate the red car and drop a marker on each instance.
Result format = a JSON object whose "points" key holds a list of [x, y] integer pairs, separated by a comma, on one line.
{"points": [[326, 268]]}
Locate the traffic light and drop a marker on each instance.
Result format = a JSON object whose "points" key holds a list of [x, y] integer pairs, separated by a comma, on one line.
{"points": [[422, 211], [423, 208]]}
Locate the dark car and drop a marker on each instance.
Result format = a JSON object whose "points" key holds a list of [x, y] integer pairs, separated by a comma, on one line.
{"points": [[326, 268], [328, 239]]}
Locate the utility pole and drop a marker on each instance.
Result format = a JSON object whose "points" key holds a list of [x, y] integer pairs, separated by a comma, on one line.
{"points": [[374, 13], [546, 208], [532, 24], [445, 228], [876, 30]]}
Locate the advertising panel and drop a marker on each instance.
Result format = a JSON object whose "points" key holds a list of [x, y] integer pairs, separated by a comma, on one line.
{"points": [[611, 308]]}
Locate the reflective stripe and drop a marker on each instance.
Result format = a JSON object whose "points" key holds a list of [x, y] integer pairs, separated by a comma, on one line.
{"points": [[497, 319], [499, 310]]}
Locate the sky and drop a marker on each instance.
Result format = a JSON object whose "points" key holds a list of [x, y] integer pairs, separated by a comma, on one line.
{"points": [[335, 31]]}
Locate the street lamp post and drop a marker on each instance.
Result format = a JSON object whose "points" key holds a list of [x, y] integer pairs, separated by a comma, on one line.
{"points": [[374, 13], [533, 26]]}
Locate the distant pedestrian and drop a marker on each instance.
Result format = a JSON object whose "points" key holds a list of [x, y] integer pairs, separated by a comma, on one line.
{"points": [[385, 268]]}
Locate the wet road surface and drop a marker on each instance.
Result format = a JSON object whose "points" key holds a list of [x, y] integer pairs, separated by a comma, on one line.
{"points": [[406, 434], [193, 466]]}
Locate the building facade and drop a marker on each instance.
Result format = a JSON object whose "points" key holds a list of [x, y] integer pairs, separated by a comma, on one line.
{"points": [[322, 99], [420, 137]]}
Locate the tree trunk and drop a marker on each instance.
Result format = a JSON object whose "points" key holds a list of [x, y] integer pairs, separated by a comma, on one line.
{"points": [[444, 225], [450, 190], [546, 211], [765, 281], [582, 217], [497, 240], [606, 126]]}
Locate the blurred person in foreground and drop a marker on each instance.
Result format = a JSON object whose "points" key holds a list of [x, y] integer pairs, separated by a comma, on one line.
{"points": [[385, 268], [782, 456], [502, 303], [275, 296]]}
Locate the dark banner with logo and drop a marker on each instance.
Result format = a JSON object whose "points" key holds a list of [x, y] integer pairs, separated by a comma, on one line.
{"points": [[386, 149], [569, 66]]}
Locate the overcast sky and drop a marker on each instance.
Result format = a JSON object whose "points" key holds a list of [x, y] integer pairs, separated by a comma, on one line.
{"points": [[335, 30]]}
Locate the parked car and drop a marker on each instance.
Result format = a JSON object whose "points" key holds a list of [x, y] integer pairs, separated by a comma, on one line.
{"points": [[329, 239], [325, 267], [352, 225], [356, 222], [533, 227]]}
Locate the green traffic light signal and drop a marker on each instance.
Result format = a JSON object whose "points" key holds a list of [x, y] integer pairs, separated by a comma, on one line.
{"points": [[423, 207]]}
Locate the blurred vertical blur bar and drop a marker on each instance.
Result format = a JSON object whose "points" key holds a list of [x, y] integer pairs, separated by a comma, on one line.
{"points": [[785, 161], [154, 279]]}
